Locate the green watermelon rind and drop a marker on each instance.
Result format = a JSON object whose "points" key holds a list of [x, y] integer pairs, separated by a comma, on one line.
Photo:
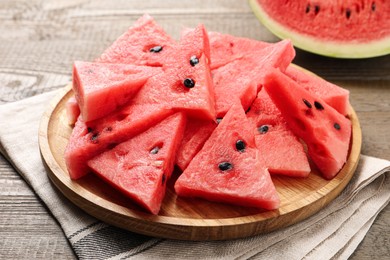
{"points": [[336, 49]]}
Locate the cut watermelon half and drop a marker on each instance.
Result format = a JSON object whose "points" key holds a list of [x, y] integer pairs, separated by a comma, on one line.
{"points": [[227, 170], [145, 43], [326, 132], [101, 88], [141, 166], [279, 148], [344, 29], [92, 138]]}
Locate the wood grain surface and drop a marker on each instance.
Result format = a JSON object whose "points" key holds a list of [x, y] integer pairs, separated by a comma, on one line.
{"points": [[39, 40]]}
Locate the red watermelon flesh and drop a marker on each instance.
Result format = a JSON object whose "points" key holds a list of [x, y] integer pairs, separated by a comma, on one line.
{"points": [[224, 48], [195, 135], [101, 88], [227, 170], [140, 166], [279, 148], [72, 110], [335, 96], [183, 86], [90, 139], [145, 43], [326, 132], [244, 77]]}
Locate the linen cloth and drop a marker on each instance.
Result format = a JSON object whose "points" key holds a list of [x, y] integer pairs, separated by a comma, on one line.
{"points": [[332, 233]]}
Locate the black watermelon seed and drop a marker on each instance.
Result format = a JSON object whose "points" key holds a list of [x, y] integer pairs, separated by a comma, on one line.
{"points": [[373, 6], [194, 60], [240, 146], [318, 105], [307, 8], [155, 150], [189, 83], [156, 49], [219, 120], [108, 129], [263, 129], [337, 126], [225, 166], [348, 13], [89, 130], [163, 179], [307, 103], [316, 9], [94, 138]]}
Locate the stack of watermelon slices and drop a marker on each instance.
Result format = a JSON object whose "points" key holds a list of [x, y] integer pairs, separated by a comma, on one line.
{"points": [[228, 111]]}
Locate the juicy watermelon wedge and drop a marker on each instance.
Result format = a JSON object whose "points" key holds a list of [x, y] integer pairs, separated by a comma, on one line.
{"points": [[101, 88], [195, 135], [141, 166], [92, 138], [279, 148], [227, 170], [243, 78], [336, 97], [72, 110], [225, 48], [145, 43], [185, 85], [326, 132]]}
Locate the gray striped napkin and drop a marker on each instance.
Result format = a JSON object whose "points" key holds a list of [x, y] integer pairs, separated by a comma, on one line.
{"points": [[334, 232]]}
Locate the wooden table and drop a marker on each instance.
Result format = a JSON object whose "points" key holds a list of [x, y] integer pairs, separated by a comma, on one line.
{"points": [[39, 40]]}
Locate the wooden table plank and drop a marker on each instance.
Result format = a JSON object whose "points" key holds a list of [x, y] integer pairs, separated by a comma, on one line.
{"points": [[40, 40]]}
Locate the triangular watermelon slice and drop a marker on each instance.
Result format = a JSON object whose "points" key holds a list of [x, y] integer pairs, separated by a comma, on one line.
{"points": [[227, 169], [326, 132], [89, 139], [243, 78], [336, 97], [278, 146], [195, 135], [101, 88], [141, 166], [186, 84], [145, 43], [224, 48]]}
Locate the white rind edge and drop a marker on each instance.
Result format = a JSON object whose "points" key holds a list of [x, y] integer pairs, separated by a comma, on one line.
{"points": [[332, 49]]}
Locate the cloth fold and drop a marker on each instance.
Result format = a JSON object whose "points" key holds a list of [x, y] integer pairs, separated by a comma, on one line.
{"points": [[334, 232]]}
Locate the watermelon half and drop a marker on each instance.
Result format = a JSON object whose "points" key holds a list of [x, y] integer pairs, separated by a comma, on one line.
{"points": [[344, 29]]}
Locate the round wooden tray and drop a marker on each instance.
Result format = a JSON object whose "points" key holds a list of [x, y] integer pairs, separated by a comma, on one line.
{"points": [[182, 218]]}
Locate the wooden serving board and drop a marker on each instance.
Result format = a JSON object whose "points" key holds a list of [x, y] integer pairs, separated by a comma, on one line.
{"points": [[183, 218]]}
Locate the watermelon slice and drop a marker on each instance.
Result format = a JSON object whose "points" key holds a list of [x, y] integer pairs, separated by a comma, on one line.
{"points": [[92, 138], [336, 97], [326, 132], [224, 48], [227, 170], [141, 166], [195, 135], [274, 139], [72, 110], [186, 83], [145, 43], [101, 88], [345, 29], [244, 77]]}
